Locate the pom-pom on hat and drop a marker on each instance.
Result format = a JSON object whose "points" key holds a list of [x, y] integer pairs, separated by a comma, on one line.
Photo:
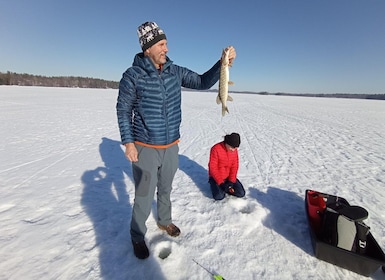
{"points": [[149, 34], [233, 140]]}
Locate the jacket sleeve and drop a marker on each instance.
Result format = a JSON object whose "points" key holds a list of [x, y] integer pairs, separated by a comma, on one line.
{"points": [[213, 166], [192, 80], [124, 108], [234, 168]]}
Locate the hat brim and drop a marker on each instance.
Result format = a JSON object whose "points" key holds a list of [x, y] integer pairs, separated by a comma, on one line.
{"points": [[149, 44]]}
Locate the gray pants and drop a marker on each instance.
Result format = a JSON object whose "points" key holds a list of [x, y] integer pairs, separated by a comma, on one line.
{"points": [[155, 168]]}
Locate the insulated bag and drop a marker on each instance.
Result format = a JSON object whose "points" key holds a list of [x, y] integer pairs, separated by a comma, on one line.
{"points": [[343, 226]]}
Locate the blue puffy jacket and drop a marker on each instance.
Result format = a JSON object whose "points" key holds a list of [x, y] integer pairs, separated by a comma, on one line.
{"points": [[149, 101]]}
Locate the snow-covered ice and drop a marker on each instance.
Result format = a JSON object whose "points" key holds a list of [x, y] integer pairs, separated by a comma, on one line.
{"points": [[67, 189]]}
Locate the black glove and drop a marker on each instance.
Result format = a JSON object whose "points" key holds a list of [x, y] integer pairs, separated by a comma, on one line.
{"points": [[227, 187]]}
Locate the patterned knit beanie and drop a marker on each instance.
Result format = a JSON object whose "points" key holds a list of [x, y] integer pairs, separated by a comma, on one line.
{"points": [[149, 34], [233, 140]]}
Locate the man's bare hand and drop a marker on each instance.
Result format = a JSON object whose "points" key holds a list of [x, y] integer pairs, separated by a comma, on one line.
{"points": [[232, 54], [131, 152]]}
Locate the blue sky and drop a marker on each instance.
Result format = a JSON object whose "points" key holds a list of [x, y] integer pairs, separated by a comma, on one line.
{"points": [[296, 46]]}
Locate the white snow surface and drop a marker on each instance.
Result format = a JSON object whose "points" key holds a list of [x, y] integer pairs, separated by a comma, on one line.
{"points": [[67, 189]]}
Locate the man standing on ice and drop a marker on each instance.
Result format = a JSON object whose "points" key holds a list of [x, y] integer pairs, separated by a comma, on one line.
{"points": [[149, 117]]}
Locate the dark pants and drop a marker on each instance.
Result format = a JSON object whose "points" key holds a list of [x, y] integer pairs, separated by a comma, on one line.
{"points": [[219, 194]]}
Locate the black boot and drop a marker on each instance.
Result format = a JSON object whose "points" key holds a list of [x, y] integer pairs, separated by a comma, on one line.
{"points": [[140, 249]]}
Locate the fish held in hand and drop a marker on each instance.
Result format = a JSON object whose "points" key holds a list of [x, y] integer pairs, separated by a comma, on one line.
{"points": [[224, 82]]}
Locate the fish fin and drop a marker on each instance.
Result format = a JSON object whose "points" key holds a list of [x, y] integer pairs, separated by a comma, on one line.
{"points": [[231, 83], [224, 110], [229, 98], [218, 99]]}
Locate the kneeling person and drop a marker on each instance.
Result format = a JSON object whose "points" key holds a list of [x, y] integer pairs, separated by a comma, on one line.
{"points": [[223, 168]]}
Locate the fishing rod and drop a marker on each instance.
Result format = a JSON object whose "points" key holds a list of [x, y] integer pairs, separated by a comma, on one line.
{"points": [[215, 276]]}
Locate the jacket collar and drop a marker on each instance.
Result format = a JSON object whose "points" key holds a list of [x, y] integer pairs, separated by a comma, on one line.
{"points": [[145, 63]]}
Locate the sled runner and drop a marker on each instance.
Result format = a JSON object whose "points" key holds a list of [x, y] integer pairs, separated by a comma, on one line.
{"points": [[339, 235]]}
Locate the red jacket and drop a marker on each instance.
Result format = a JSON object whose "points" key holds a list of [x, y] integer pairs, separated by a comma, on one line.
{"points": [[223, 164]]}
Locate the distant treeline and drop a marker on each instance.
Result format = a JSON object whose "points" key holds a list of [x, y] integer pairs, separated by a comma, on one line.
{"points": [[10, 78], [329, 95]]}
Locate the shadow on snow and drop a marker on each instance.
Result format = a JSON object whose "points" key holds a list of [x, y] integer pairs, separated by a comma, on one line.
{"points": [[106, 202], [197, 173], [287, 215]]}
